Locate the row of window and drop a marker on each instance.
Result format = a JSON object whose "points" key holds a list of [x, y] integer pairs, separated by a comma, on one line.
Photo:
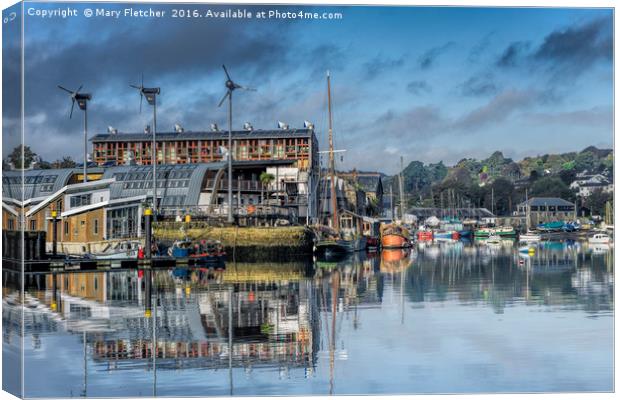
{"points": [[160, 184]]}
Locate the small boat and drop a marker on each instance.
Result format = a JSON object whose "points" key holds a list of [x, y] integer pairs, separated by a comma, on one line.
{"points": [[529, 237], [465, 233], [180, 248], [208, 251], [527, 249], [394, 237], [600, 238], [494, 239], [330, 242], [119, 250], [446, 235], [425, 235], [554, 226], [499, 230]]}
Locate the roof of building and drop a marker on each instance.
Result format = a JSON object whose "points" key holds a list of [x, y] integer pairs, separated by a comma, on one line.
{"points": [[546, 201], [178, 185], [203, 135], [37, 183]]}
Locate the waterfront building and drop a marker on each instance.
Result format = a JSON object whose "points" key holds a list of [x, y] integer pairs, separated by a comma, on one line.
{"points": [[111, 206], [371, 184], [547, 209], [188, 147]]}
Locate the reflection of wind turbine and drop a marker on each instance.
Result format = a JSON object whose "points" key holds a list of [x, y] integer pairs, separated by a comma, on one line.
{"points": [[231, 86]]}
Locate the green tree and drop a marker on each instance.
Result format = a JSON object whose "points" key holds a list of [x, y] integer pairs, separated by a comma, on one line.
{"points": [[265, 179], [65, 162], [503, 191], [596, 201], [551, 186], [15, 157]]}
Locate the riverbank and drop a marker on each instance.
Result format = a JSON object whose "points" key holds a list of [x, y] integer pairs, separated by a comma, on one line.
{"points": [[247, 243]]}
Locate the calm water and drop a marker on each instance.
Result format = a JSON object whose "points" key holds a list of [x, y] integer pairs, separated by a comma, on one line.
{"points": [[442, 318]]}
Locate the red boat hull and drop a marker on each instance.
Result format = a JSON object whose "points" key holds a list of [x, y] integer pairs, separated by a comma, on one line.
{"points": [[394, 242]]}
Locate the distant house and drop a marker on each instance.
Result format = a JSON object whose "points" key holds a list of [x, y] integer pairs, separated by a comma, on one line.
{"points": [[546, 209], [586, 184]]}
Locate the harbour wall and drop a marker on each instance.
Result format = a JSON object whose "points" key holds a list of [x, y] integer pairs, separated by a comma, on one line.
{"points": [[247, 243]]}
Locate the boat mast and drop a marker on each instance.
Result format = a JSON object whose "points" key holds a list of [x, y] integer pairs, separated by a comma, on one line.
{"points": [[332, 166], [402, 192], [527, 213]]}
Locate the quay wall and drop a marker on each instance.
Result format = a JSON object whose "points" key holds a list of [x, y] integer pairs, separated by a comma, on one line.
{"points": [[247, 243]]}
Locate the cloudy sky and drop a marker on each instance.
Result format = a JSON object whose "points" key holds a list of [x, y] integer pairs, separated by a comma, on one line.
{"points": [[429, 84]]}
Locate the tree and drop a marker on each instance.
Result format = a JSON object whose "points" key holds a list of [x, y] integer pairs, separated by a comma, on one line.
{"points": [[503, 191], [65, 162], [15, 157], [551, 186], [265, 179], [596, 201]]}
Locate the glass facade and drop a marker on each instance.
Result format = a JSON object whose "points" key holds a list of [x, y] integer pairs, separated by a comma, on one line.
{"points": [[122, 222]]}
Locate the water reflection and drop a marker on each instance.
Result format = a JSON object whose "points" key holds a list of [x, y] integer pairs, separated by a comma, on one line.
{"points": [[379, 323]]}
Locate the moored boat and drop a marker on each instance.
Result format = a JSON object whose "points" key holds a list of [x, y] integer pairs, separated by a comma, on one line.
{"points": [[529, 237], [424, 235], [394, 237], [120, 250], [600, 238], [208, 251], [499, 230]]}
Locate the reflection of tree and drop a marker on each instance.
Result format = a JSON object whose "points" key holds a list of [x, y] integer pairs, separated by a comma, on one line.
{"points": [[499, 279]]}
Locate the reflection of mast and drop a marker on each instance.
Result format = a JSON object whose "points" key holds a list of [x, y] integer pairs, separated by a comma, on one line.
{"points": [[332, 347], [230, 337], [85, 366]]}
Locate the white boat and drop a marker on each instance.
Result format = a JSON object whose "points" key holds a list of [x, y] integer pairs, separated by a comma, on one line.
{"points": [[119, 250], [494, 239], [599, 238], [529, 237]]}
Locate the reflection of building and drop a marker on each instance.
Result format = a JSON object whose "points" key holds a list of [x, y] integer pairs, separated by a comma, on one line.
{"points": [[274, 321]]}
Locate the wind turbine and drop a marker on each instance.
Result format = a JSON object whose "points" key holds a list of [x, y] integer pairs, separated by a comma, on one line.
{"points": [[231, 86], [82, 100], [151, 98]]}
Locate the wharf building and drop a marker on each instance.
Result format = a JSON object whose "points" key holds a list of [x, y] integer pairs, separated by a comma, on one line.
{"points": [[110, 205], [547, 209]]}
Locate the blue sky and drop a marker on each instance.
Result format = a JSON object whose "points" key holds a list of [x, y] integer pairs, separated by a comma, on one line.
{"points": [[429, 84]]}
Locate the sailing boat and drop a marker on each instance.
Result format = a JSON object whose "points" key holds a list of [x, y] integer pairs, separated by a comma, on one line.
{"points": [[528, 236], [334, 240], [393, 235]]}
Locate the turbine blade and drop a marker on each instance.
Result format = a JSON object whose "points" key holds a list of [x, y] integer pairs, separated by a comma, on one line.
{"points": [[80, 88], [135, 87], [72, 105], [226, 72], [223, 98], [249, 89], [142, 84], [141, 96], [65, 89]]}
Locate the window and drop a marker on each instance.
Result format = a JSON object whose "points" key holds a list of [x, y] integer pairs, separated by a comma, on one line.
{"points": [[11, 224], [67, 228], [80, 200], [96, 227], [33, 224]]}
